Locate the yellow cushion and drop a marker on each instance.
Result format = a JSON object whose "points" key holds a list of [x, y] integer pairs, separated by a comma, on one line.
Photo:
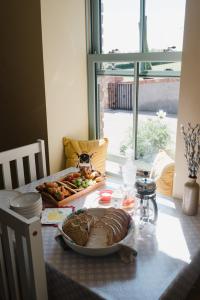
{"points": [[96, 147], [163, 173]]}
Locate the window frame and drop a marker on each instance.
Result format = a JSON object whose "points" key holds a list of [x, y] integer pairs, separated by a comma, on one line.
{"points": [[93, 27], [114, 58]]}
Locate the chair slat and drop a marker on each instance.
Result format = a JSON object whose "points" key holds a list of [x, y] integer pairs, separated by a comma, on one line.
{"points": [[4, 292], [20, 171], [10, 262], [7, 175], [42, 159], [32, 168], [17, 155], [36, 261], [19, 152], [21, 254], [24, 261]]}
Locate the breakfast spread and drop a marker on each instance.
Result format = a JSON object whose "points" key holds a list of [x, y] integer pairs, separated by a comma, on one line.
{"points": [[71, 184], [92, 231]]}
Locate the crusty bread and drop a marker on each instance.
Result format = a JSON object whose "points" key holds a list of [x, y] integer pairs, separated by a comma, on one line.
{"points": [[121, 212], [111, 231], [77, 233], [116, 225], [78, 227], [100, 236], [122, 222], [84, 229]]}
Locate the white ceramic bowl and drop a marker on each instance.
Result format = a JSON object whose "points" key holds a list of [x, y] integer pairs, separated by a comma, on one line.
{"points": [[27, 208], [31, 215], [28, 205], [6, 196], [25, 200], [95, 251]]}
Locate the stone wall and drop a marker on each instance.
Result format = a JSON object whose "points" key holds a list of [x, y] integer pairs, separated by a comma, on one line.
{"points": [[154, 94]]}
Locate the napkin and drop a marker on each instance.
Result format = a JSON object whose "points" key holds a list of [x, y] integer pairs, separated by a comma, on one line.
{"points": [[128, 249], [56, 215]]}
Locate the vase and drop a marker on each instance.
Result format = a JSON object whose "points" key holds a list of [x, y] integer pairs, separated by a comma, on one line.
{"points": [[190, 197]]}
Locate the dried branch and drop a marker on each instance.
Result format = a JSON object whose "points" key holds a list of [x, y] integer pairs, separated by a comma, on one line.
{"points": [[191, 136]]}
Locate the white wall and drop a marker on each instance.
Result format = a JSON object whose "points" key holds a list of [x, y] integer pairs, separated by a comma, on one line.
{"points": [[189, 105], [64, 54]]}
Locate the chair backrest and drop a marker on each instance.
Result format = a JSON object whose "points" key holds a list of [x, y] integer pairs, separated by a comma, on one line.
{"points": [[23, 158], [22, 267]]}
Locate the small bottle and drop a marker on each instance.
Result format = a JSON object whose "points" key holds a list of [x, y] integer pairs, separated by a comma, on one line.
{"points": [[129, 170]]}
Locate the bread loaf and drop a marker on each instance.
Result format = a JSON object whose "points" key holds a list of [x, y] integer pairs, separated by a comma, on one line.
{"points": [[87, 230]]}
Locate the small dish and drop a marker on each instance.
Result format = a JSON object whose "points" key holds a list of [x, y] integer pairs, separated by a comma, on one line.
{"points": [[27, 208], [105, 196], [6, 196], [28, 205], [25, 200]]}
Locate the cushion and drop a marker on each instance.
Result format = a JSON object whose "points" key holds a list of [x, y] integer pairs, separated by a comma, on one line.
{"points": [[163, 173], [96, 147]]}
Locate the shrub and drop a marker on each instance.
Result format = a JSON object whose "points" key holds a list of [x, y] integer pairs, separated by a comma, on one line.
{"points": [[153, 134]]}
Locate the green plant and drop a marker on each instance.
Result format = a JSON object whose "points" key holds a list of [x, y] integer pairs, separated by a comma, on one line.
{"points": [[153, 134]]}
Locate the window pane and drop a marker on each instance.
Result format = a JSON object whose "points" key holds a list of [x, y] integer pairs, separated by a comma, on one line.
{"points": [[172, 69], [117, 68], [115, 98], [157, 117], [165, 24], [120, 25], [168, 66]]}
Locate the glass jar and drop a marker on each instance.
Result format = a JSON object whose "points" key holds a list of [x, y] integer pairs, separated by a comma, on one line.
{"points": [[129, 170]]}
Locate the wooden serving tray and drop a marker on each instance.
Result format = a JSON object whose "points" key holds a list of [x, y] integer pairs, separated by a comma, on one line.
{"points": [[50, 201]]}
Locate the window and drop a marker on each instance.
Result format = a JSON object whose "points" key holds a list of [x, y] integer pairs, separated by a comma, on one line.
{"points": [[115, 96], [120, 21], [134, 68], [165, 22], [157, 116]]}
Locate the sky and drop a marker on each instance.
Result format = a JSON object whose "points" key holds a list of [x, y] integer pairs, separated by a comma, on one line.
{"points": [[165, 23]]}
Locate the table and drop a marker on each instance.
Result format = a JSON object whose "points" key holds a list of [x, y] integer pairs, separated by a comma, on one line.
{"points": [[166, 266]]}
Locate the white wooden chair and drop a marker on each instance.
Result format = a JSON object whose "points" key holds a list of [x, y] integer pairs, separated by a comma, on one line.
{"points": [[22, 267], [18, 155]]}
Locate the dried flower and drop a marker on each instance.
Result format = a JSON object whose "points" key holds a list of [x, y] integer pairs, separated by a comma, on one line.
{"points": [[191, 137], [161, 114]]}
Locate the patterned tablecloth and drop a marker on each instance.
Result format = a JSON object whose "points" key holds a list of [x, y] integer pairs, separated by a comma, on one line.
{"points": [[167, 264]]}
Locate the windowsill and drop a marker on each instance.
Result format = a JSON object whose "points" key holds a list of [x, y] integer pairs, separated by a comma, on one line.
{"points": [[113, 166]]}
